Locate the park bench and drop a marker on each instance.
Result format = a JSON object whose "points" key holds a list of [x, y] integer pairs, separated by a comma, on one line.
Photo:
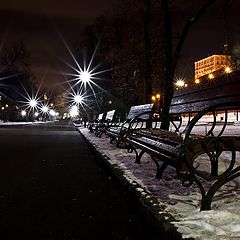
{"points": [[141, 113], [107, 123], [204, 154], [93, 126]]}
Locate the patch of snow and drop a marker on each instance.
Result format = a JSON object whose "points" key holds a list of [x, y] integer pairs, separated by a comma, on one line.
{"points": [[223, 222]]}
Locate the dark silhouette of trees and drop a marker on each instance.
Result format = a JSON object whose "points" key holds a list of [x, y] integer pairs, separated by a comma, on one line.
{"points": [[173, 47], [15, 76], [142, 41]]}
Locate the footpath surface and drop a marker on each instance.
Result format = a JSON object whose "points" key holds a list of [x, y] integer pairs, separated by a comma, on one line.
{"points": [[172, 208]]}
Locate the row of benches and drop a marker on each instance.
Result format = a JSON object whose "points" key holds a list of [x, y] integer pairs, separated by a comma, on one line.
{"points": [[183, 147]]}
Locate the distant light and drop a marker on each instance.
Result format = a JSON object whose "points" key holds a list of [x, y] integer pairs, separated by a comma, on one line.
{"points": [[158, 96], [210, 76], [85, 76], [73, 111], [153, 98], [51, 104], [197, 81], [45, 109], [180, 83], [52, 112], [6, 105], [78, 99], [23, 113], [33, 103], [228, 70], [2, 108], [36, 114], [109, 102]]}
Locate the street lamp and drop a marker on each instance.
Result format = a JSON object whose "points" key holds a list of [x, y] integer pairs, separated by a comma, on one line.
{"points": [[78, 99], [156, 98], [44, 109], [74, 111], [228, 69], [32, 103], [180, 83], [23, 113], [85, 76]]}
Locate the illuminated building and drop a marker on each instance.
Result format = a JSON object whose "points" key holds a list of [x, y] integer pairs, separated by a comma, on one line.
{"points": [[211, 64]]}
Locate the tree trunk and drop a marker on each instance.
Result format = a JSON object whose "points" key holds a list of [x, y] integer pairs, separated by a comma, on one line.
{"points": [[169, 71], [147, 52]]}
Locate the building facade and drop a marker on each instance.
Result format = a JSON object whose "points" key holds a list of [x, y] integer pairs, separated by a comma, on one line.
{"points": [[211, 64]]}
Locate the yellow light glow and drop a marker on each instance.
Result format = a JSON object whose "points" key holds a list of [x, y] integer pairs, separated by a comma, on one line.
{"points": [[210, 76], [197, 81], [228, 70], [158, 96], [180, 83], [153, 98]]}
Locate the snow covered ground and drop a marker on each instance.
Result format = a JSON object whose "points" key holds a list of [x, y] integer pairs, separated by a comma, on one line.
{"points": [[20, 123], [222, 222]]}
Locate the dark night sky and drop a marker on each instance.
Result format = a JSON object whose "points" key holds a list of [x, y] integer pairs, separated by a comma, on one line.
{"points": [[37, 23]]}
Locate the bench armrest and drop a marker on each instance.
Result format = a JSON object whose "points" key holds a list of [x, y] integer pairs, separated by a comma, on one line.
{"points": [[224, 106]]}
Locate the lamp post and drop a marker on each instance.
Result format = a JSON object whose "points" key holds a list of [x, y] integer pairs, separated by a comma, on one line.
{"points": [[156, 99]]}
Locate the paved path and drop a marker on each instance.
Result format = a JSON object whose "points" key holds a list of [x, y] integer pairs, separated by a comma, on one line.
{"points": [[52, 187]]}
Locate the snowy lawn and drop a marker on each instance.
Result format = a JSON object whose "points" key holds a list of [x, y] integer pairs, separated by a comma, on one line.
{"points": [[222, 222]]}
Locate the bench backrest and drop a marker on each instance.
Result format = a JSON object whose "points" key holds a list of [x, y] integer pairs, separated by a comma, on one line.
{"points": [[110, 115], [140, 109], [100, 116], [198, 97]]}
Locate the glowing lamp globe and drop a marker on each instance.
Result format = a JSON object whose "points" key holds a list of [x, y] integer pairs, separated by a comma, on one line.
{"points": [[23, 113], [52, 112], [180, 83], [33, 103], [74, 111], [44, 109], [85, 76], [78, 99]]}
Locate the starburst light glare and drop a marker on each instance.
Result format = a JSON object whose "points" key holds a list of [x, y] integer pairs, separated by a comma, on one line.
{"points": [[228, 70], [210, 76], [44, 109], [85, 76], [33, 103], [78, 99], [73, 111], [180, 83], [52, 112], [23, 113]]}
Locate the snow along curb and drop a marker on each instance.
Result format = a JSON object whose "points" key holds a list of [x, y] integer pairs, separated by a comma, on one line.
{"points": [[149, 205]]}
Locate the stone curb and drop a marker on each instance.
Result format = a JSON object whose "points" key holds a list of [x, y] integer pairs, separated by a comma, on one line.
{"points": [[149, 205]]}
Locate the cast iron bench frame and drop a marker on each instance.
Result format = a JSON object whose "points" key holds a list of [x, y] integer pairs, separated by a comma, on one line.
{"points": [[107, 123], [93, 126], [181, 150], [142, 115]]}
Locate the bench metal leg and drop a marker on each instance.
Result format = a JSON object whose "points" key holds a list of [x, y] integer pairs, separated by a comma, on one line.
{"points": [[139, 156], [160, 170]]}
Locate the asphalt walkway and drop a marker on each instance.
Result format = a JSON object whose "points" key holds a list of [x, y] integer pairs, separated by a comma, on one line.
{"points": [[53, 187]]}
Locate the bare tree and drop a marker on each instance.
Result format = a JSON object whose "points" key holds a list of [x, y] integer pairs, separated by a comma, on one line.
{"points": [[15, 57], [172, 50]]}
